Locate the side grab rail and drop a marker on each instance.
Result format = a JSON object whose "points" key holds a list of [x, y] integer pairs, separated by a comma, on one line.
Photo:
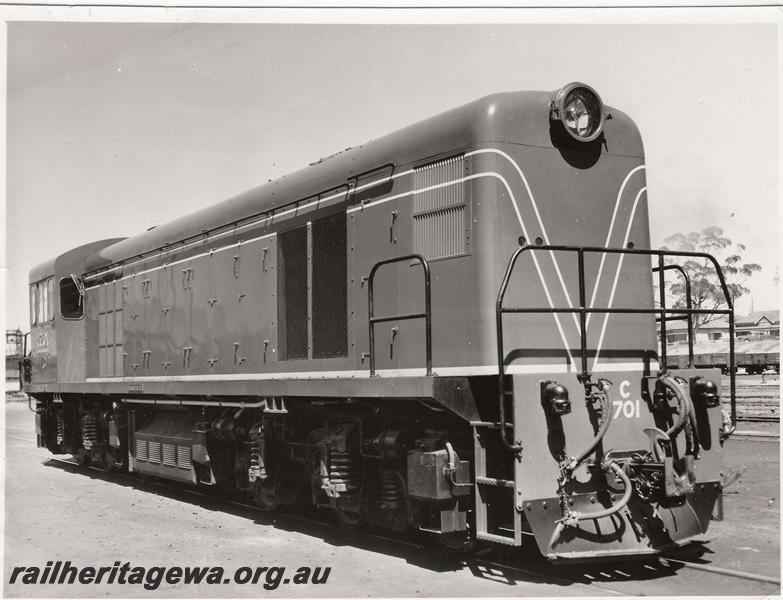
{"points": [[426, 315], [583, 311]]}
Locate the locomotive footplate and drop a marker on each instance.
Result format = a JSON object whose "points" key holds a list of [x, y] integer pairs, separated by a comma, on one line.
{"points": [[640, 528], [627, 471]]}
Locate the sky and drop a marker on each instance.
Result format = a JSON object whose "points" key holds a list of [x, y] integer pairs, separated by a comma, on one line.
{"points": [[112, 128]]}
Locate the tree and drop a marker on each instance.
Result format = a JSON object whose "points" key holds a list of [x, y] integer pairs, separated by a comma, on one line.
{"points": [[706, 291]]}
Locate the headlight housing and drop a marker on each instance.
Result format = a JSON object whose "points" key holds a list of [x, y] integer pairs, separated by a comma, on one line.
{"points": [[579, 109]]}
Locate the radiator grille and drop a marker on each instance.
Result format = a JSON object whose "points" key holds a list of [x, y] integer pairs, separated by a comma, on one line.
{"points": [[183, 457], [330, 287], [439, 228], [154, 452], [169, 455], [292, 293], [141, 450]]}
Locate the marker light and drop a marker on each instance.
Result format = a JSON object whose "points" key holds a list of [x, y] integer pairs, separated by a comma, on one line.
{"points": [[579, 108], [554, 399], [705, 391]]}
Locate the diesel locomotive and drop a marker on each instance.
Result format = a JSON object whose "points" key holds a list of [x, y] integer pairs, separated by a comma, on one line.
{"points": [[450, 328]]}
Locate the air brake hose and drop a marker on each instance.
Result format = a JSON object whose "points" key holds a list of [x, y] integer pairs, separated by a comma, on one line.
{"points": [[692, 432], [573, 517], [617, 470], [684, 409], [574, 461]]}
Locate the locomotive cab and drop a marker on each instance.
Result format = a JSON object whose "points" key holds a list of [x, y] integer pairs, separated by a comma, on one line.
{"points": [[57, 316], [41, 363]]}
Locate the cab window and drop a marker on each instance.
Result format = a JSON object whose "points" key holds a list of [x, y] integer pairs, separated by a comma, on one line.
{"points": [[71, 298], [50, 299], [42, 302], [34, 304]]}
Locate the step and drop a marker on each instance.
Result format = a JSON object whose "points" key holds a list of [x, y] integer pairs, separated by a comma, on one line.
{"points": [[490, 424], [493, 537], [493, 481]]}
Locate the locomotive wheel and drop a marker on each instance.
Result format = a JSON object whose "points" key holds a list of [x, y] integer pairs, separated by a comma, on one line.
{"points": [[110, 464], [352, 521], [83, 457], [458, 542], [348, 520], [266, 500]]}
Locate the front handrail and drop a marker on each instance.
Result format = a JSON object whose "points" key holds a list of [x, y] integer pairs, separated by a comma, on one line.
{"points": [[583, 311], [426, 315]]}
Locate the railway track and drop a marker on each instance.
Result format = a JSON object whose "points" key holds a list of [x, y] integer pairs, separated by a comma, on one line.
{"points": [[490, 563], [759, 418]]}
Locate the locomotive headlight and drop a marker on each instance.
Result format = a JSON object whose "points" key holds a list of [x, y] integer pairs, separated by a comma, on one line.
{"points": [[579, 108]]}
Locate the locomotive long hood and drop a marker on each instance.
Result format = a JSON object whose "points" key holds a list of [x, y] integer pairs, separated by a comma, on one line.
{"points": [[505, 117]]}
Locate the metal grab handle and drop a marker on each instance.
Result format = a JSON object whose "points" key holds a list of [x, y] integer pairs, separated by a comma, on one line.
{"points": [[514, 446], [426, 315], [688, 306]]}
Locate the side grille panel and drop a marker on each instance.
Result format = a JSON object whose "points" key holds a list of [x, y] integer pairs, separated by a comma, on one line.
{"points": [[439, 207], [292, 294], [141, 450], [169, 455], [164, 446], [154, 452], [183, 457], [330, 287]]}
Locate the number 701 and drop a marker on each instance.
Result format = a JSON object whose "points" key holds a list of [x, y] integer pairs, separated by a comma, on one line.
{"points": [[629, 408]]}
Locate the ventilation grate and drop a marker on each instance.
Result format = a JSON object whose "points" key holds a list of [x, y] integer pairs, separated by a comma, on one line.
{"points": [[292, 293], [330, 287], [183, 457], [169, 455], [141, 450], [154, 452], [439, 207]]}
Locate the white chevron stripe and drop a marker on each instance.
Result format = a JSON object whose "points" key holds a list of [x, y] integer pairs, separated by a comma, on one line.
{"points": [[617, 276], [494, 174], [544, 234], [608, 238], [521, 225]]}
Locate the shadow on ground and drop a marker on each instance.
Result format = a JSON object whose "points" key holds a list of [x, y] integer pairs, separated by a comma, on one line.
{"points": [[497, 564]]}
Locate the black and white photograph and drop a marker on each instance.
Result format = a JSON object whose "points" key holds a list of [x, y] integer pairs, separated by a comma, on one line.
{"points": [[382, 301]]}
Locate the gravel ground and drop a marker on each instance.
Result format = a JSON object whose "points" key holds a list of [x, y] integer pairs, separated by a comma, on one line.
{"points": [[748, 538]]}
